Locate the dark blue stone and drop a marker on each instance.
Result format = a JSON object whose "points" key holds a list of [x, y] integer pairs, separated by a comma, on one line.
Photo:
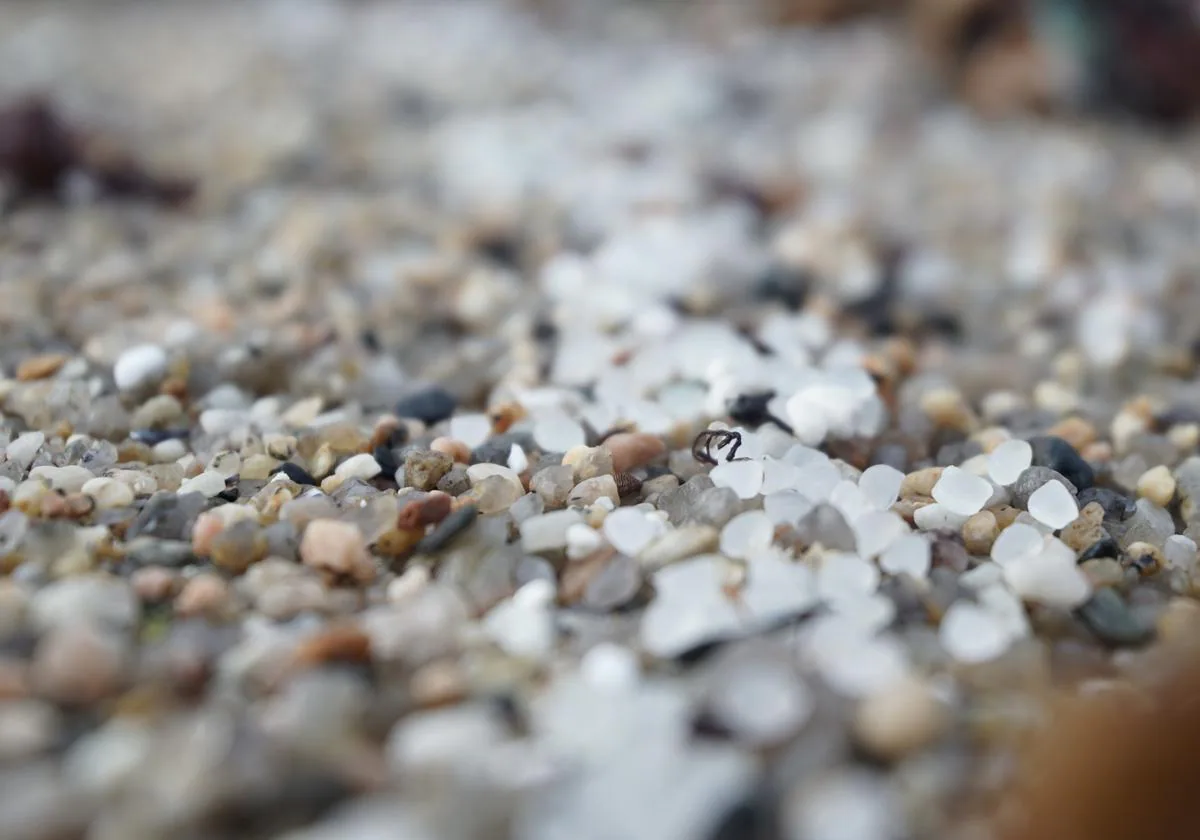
{"points": [[429, 405]]}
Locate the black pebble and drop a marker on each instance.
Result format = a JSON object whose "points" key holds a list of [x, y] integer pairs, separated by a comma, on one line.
{"points": [[495, 450], [296, 473], [429, 405], [1106, 546], [1060, 456], [789, 286], [387, 460], [1116, 506], [751, 409], [447, 530]]}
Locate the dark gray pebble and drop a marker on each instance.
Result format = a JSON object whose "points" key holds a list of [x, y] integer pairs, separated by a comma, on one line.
{"points": [[447, 530], [1112, 622], [1032, 479], [1057, 454], [429, 405], [1117, 506], [168, 516]]}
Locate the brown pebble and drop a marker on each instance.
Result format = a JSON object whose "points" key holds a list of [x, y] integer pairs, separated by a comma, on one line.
{"points": [[456, 449], [979, 532], [153, 584], [920, 483], [907, 508], [1005, 515], [1146, 558], [1075, 431], [385, 427], [505, 415], [344, 643], [1103, 571], [437, 684], [14, 679], [337, 549], [239, 547], [427, 511], [899, 720], [205, 594], [40, 367], [1086, 530], [398, 542], [1100, 452], [5, 501], [633, 449]]}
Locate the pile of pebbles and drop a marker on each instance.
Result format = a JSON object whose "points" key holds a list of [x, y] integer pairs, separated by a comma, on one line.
{"points": [[596, 425]]}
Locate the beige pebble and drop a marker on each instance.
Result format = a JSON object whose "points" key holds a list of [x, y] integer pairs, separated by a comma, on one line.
{"points": [[108, 493], [437, 684], [40, 367], [153, 584], [991, 437], [633, 449], [1005, 515], [1086, 530], [947, 408], [414, 579], [920, 483], [204, 531], [453, 447], [1103, 571], [588, 491], [1185, 437], [1075, 431], [1158, 485], [78, 665], [1179, 623], [337, 548], [1147, 558], [1100, 452], [589, 461], [258, 467], [900, 719], [205, 594], [979, 532], [1055, 397]]}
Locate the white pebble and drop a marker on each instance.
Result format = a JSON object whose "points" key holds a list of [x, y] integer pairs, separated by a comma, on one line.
{"points": [[208, 484], [818, 479], [688, 607], [1008, 460], [876, 530], [582, 540], [850, 501], [362, 466], [478, 472], [629, 530], [610, 667], [786, 507], [779, 476], [24, 448], [139, 366], [68, 479], [937, 517], [1180, 553], [960, 492], [881, 485], [471, 429], [865, 668], [846, 576], [972, 634], [745, 478], [1051, 577], [518, 462], [909, 555], [108, 492], [524, 625], [746, 534], [554, 431], [1016, 542], [1053, 505]]}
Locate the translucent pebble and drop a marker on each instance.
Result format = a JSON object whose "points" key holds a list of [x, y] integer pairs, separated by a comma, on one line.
{"points": [[745, 478], [554, 431], [471, 429], [937, 517], [140, 365], [1053, 505], [972, 634], [808, 425], [24, 448], [869, 613], [786, 507], [817, 480], [876, 530], [865, 668], [909, 554], [1016, 542], [629, 530], [777, 587], [518, 462], [746, 534], [983, 575], [1051, 577], [688, 607], [1008, 460], [759, 703], [779, 475], [845, 576], [960, 492], [849, 500], [880, 485], [524, 625], [1180, 553]]}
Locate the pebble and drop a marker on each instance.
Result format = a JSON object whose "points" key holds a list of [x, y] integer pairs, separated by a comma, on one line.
{"points": [[1049, 576], [208, 484], [140, 366], [204, 594], [1149, 524], [553, 485], [908, 555], [430, 405], [614, 585], [455, 449], [677, 544], [548, 532], [590, 490], [362, 466], [1158, 485], [423, 469], [972, 634], [1116, 506], [630, 530], [40, 367], [1110, 619], [68, 479], [338, 549], [554, 431], [1008, 460], [97, 600], [1058, 455], [588, 461], [980, 532], [630, 450], [900, 720], [960, 492], [24, 448], [108, 493], [921, 483], [1032, 480], [523, 626], [880, 485], [78, 665], [1053, 505]]}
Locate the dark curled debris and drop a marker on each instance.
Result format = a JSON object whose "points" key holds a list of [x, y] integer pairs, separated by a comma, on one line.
{"points": [[705, 442], [39, 150]]}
